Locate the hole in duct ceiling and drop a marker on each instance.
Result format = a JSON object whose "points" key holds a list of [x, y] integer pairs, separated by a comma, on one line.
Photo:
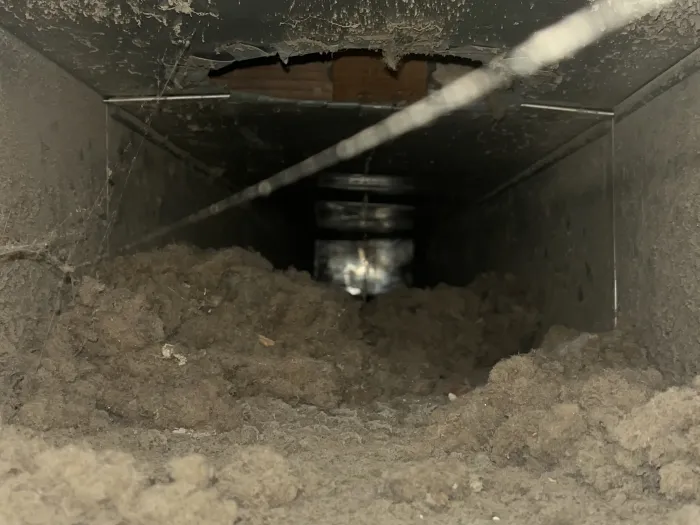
{"points": [[331, 57], [359, 76]]}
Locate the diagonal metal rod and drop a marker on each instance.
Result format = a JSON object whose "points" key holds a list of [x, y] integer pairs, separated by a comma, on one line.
{"points": [[166, 98], [546, 47], [569, 109]]}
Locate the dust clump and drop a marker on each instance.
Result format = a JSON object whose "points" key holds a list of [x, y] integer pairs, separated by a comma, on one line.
{"points": [[258, 476], [189, 386], [68, 485], [404, 28]]}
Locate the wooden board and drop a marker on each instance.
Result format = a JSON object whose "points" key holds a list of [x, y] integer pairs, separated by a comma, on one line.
{"points": [[366, 79], [299, 82]]}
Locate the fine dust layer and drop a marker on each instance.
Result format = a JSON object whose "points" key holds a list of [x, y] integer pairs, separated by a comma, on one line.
{"points": [[187, 387]]}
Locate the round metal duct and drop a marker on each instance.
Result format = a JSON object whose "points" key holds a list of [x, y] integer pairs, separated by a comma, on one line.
{"points": [[384, 184], [364, 217]]}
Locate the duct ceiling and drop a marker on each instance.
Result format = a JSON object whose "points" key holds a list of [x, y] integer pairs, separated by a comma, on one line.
{"points": [[278, 114]]}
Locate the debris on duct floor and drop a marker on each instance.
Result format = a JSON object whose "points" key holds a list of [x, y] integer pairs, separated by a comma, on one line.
{"points": [[203, 387]]}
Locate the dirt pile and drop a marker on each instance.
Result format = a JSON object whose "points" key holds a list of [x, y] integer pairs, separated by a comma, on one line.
{"points": [[459, 332], [191, 387], [169, 339]]}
